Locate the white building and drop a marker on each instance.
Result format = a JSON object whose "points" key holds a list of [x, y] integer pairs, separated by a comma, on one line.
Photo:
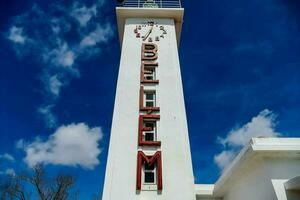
{"points": [[149, 154], [266, 169]]}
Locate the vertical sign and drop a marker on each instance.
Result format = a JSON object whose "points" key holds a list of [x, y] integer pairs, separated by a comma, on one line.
{"points": [[148, 118]]}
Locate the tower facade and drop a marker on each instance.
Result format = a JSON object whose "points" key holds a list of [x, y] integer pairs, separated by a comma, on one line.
{"points": [[149, 154]]}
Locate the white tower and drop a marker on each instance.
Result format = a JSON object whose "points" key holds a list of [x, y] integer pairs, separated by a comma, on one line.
{"points": [[149, 154]]}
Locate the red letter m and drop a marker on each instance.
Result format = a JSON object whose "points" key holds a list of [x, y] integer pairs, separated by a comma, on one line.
{"points": [[149, 160]]}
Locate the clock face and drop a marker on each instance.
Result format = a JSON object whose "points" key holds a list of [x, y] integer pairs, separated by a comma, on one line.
{"points": [[150, 31]]}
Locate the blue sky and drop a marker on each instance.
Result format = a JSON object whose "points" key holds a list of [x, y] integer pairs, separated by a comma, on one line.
{"points": [[59, 63]]}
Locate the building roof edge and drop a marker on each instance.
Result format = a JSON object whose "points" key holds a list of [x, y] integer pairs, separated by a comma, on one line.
{"points": [[257, 146]]}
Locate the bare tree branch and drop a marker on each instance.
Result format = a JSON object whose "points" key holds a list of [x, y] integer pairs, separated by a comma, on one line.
{"points": [[46, 189]]}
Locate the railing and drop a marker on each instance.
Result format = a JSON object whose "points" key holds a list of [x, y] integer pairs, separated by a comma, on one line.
{"points": [[151, 3]]}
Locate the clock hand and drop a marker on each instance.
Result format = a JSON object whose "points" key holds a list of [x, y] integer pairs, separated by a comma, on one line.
{"points": [[148, 33]]}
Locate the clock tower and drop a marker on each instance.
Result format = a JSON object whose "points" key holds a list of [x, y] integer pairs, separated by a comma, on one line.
{"points": [[149, 153]]}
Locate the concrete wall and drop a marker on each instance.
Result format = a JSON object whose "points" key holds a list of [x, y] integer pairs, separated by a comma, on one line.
{"points": [[257, 180], [120, 180]]}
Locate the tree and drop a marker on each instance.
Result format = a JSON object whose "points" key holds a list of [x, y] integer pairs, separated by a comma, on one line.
{"points": [[11, 188], [121, 1], [14, 187]]}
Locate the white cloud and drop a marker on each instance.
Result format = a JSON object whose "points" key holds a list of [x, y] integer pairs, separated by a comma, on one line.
{"points": [[65, 41], [260, 126], [7, 156], [55, 85], [263, 125], [48, 116], [224, 158], [99, 35], [16, 35], [100, 3], [83, 14], [57, 43], [62, 55], [20, 144], [9, 171], [72, 145], [59, 25]]}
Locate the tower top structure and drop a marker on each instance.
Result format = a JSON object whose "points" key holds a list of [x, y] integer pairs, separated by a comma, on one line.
{"points": [[153, 9]]}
